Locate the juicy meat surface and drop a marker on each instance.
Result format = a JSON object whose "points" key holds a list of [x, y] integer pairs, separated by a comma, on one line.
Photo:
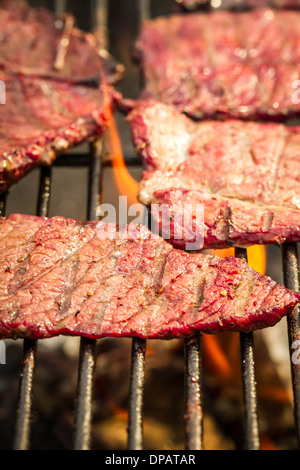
{"points": [[43, 118], [62, 276], [220, 63], [34, 41], [244, 174], [55, 89]]}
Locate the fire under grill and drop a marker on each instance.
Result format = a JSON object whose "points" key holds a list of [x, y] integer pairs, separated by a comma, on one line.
{"points": [[193, 389]]}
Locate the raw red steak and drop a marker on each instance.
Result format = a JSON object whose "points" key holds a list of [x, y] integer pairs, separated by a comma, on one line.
{"points": [[44, 118], [62, 276], [238, 64], [245, 174]]}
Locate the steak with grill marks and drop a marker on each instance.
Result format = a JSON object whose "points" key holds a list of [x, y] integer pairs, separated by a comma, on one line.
{"points": [[62, 276], [36, 42], [244, 174], [44, 118], [220, 63], [58, 90]]}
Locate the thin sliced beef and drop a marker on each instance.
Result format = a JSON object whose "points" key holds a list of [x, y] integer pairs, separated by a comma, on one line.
{"points": [[43, 118], [34, 41], [244, 174], [237, 64], [56, 90], [62, 276]]}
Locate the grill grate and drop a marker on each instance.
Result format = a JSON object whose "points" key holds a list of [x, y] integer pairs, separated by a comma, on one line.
{"points": [[87, 359], [193, 390], [22, 436], [249, 382], [290, 261], [137, 379], [192, 345]]}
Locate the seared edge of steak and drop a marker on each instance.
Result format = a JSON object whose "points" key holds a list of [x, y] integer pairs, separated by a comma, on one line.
{"points": [[62, 276], [226, 222], [44, 121], [244, 174]]}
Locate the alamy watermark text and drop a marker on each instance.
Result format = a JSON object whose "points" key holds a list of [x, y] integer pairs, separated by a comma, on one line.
{"points": [[182, 222]]}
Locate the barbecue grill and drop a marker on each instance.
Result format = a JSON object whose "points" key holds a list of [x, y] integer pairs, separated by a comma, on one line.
{"points": [[100, 14]]}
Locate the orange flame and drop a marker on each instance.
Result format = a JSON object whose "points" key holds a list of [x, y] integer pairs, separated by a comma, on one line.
{"points": [[216, 361], [126, 184], [267, 444], [256, 256]]}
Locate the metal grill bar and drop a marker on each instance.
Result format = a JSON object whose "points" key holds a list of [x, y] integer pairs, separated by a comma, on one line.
{"points": [[100, 25], [2, 204], [193, 414], [144, 10], [87, 360], [44, 192], [290, 261], [22, 434], [252, 441], [136, 393], [193, 393], [82, 160], [87, 357], [138, 348], [95, 180], [137, 378]]}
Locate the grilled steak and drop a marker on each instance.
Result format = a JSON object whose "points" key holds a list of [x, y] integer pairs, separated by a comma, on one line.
{"points": [[62, 276], [237, 64], [244, 174], [58, 90], [34, 41], [43, 118]]}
